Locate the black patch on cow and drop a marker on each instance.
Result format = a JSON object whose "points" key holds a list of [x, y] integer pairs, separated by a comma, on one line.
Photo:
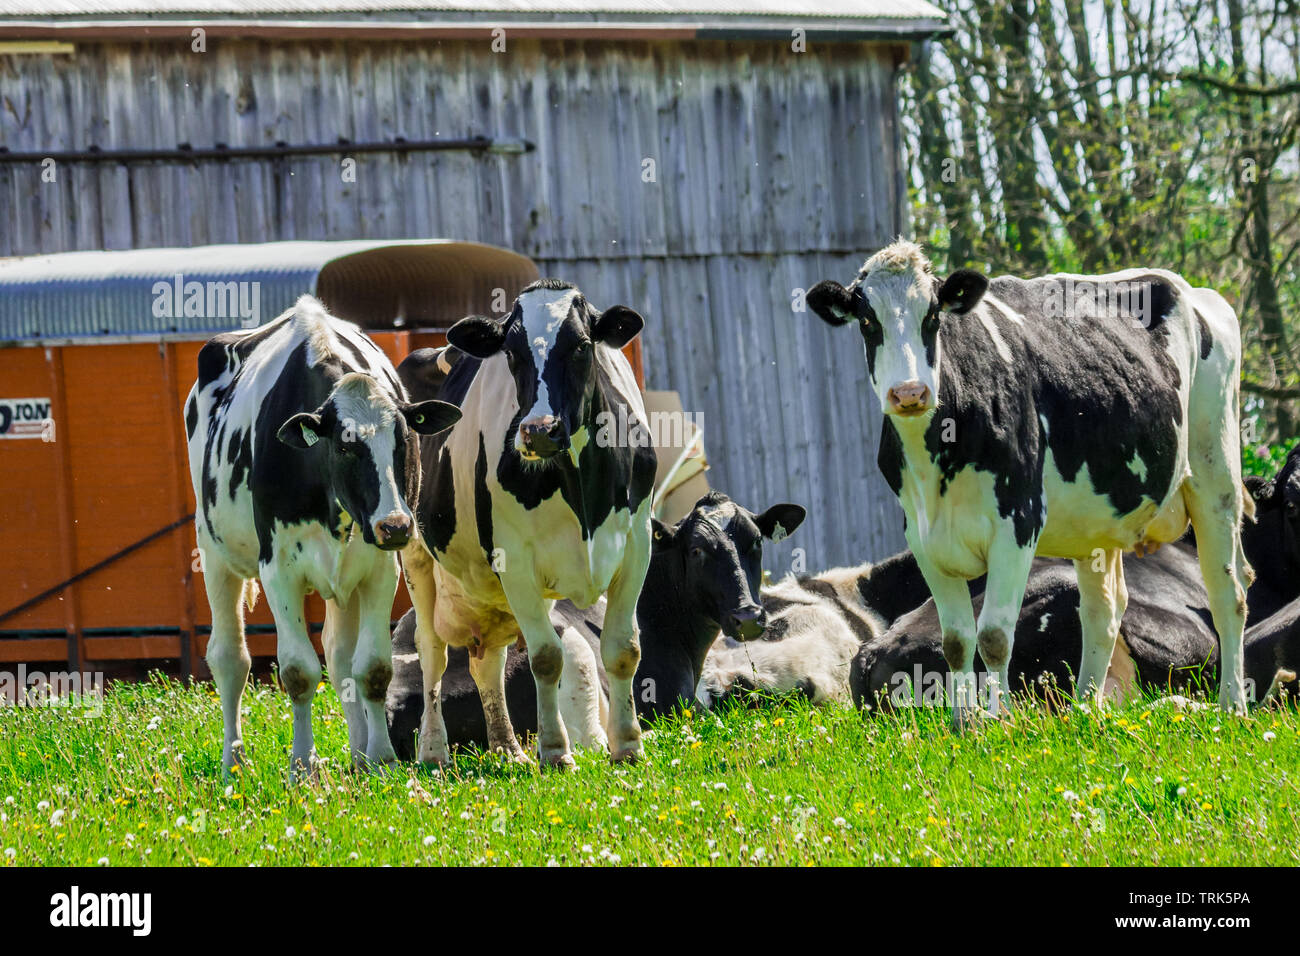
{"points": [[873, 337], [440, 497], [1205, 336], [240, 458], [191, 414], [1104, 384], [482, 502]]}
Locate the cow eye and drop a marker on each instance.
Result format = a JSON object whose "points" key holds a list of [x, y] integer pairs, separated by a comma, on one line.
{"points": [[348, 449]]}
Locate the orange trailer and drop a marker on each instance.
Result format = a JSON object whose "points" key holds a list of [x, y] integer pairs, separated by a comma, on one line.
{"points": [[97, 553]]}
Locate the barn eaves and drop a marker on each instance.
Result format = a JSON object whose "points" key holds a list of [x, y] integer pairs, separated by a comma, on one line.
{"points": [[220, 152], [897, 21]]}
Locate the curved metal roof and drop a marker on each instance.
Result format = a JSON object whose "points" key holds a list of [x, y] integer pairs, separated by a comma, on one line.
{"points": [[380, 284]]}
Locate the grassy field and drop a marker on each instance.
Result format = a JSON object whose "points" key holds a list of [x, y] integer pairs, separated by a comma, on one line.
{"points": [[140, 783]]}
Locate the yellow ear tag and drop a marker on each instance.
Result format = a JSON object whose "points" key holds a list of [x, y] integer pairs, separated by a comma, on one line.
{"points": [[309, 436]]}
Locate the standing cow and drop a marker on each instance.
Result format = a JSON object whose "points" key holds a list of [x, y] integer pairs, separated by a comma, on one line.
{"points": [[1069, 416], [303, 461], [532, 497]]}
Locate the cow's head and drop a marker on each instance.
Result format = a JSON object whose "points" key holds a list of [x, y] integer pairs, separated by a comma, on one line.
{"points": [[365, 449], [549, 341], [716, 555], [899, 305]]}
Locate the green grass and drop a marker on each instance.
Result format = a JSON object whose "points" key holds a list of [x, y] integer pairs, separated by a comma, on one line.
{"points": [[783, 784]]}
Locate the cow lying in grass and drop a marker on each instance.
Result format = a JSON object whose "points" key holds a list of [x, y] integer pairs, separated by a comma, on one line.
{"points": [[1166, 640], [703, 577], [816, 623]]}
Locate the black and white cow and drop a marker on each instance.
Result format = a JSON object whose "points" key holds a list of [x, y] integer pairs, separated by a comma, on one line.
{"points": [[1272, 541], [529, 499], [815, 625], [703, 579], [1069, 416], [304, 462], [1166, 641]]}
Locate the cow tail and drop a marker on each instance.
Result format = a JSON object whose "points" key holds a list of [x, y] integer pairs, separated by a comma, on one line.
{"points": [[251, 591], [1248, 508]]}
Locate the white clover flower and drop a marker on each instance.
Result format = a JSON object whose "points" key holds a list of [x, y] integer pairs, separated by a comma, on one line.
{"points": [[290, 833], [9, 801], [10, 853], [354, 855], [1269, 736], [102, 861], [42, 806], [1069, 796], [1181, 791], [840, 822], [56, 818], [430, 840]]}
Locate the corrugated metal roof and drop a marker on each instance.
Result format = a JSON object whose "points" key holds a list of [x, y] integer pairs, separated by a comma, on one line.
{"points": [[205, 289], [649, 9]]}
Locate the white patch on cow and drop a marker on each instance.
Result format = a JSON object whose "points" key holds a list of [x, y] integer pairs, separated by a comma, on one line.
{"points": [[991, 326], [371, 414], [1008, 313], [1043, 621], [542, 313], [1138, 466]]}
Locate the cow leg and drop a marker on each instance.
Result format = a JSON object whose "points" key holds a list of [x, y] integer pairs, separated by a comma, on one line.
{"points": [[957, 624], [620, 647], [339, 640], [417, 564], [546, 659], [1103, 598], [299, 666], [227, 654], [1216, 519], [489, 673], [1009, 565], [372, 661]]}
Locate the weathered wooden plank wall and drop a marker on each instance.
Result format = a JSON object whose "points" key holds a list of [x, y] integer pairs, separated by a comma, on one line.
{"points": [[772, 170]]}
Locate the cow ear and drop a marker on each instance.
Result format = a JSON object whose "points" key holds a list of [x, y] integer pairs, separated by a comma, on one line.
{"points": [[617, 326], [662, 536], [780, 521], [962, 291], [431, 417], [832, 302], [477, 335], [301, 431]]}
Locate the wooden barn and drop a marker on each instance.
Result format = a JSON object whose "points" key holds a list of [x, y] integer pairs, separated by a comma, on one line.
{"points": [[703, 161]]}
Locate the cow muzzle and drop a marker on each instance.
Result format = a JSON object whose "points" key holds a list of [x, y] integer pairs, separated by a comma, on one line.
{"points": [[393, 531], [747, 623], [541, 438], [910, 398]]}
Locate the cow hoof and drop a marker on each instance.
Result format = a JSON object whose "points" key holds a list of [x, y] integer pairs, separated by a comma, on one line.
{"points": [[514, 755], [303, 772], [559, 761], [435, 757], [376, 765], [629, 753]]}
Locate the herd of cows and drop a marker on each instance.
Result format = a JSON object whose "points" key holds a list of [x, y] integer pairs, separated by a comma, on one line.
{"points": [[1022, 426]]}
